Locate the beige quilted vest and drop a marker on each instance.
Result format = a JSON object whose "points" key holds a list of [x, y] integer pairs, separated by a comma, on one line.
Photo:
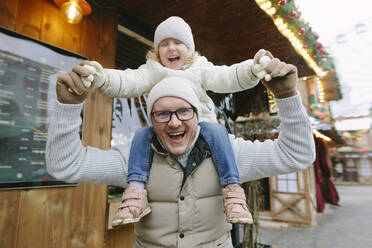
{"points": [[191, 217]]}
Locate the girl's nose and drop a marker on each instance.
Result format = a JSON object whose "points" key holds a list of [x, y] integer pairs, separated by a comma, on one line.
{"points": [[171, 45]]}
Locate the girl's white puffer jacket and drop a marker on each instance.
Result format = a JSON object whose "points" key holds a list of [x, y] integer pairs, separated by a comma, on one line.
{"points": [[219, 79]]}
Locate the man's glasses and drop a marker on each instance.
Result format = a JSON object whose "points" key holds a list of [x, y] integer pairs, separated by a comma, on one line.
{"points": [[183, 114]]}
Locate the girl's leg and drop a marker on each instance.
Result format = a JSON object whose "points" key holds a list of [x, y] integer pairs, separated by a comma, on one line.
{"points": [[134, 201], [140, 157], [233, 195], [222, 154], [137, 184]]}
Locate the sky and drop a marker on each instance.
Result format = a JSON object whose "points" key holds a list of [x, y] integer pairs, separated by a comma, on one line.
{"points": [[345, 30]]}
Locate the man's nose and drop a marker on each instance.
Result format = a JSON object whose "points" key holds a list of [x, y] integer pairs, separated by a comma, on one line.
{"points": [[174, 121]]}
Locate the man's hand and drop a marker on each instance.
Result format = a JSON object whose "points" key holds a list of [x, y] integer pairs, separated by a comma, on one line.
{"points": [[71, 89], [284, 79]]}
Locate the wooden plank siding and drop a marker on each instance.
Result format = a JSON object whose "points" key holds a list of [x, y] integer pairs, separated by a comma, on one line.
{"points": [[226, 32], [10, 204], [66, 216], [8, 12]]}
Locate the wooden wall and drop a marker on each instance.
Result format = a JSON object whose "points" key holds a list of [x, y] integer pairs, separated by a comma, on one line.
{"points": [[72, 216]]}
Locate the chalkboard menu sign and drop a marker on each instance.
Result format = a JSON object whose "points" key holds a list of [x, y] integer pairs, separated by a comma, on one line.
{"points": [[28, 74]]}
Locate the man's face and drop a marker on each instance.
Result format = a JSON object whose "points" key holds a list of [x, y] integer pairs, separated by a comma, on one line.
{"points": [[175, 135]]}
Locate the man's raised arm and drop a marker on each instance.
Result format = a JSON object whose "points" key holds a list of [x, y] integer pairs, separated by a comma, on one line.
{"points": [[66, 158], [294, 149]]}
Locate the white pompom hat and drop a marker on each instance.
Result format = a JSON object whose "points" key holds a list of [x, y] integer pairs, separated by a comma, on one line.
{"points": [[177, 87], [174, 27]]}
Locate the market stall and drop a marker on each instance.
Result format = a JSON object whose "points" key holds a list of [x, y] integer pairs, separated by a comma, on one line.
{"points": [[116, 33]]}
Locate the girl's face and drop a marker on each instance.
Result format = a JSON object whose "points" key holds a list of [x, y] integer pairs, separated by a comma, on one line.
{"points": [[172, 53]]}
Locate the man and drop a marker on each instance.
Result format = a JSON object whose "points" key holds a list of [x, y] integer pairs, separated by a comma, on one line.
{"points": [[186, 203]]}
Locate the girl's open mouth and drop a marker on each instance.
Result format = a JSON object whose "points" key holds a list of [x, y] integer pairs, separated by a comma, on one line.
{"points": [[174, 59]]}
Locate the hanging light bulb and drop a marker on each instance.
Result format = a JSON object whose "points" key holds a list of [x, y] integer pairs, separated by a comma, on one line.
{"points": [[73, 10]]}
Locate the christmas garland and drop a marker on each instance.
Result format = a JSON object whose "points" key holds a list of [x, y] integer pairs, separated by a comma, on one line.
{"points": [[287, 11]]}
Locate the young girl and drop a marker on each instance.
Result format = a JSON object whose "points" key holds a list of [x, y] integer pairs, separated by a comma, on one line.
{"points": [[174, 55]]}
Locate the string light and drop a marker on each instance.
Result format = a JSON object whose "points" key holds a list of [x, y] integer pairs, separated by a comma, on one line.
{"points": [[271, 11], [320, 88], [295, 42]]}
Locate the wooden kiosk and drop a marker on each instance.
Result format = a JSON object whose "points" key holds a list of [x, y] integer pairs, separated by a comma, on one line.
{"points": [[353, 164], [77, 216], [290, 198]]}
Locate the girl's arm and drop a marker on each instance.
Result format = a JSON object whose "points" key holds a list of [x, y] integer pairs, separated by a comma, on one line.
{"points": [[127, 83], [119, 83], [229, 79], [237, 77]]}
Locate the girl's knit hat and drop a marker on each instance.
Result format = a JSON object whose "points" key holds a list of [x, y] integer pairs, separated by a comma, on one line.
{"points": [[174, 27], [177, 87]]}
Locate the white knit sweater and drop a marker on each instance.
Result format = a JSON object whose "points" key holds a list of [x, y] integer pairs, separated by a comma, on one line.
{"points": [[68, 160]]}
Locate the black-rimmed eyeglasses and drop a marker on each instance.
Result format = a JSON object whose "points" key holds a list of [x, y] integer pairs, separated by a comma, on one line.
{"points": [[183, 114]]}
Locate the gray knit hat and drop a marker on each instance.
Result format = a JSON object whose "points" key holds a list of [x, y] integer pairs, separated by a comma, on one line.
{"points": [[174, 86], [174, 27]]}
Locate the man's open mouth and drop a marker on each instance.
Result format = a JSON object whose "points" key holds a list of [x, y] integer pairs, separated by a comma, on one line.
{"points": [[176, 136]]}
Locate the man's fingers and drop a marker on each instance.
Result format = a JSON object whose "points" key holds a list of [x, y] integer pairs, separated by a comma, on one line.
{"points": [[61, 86], [286, 70], [271, 65], [85, 62], [66, 80], [63, 95], [71, 90], [276, 71], [277, 68], [81, 70], [79, 86], [274, 67], [69, 79]]}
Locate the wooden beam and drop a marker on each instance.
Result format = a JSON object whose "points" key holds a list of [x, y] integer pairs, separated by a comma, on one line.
{"points": [[134, 35]]}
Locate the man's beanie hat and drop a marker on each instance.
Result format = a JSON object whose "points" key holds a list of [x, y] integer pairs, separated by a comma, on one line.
{"points": [[177, 87], [174, 27]]}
